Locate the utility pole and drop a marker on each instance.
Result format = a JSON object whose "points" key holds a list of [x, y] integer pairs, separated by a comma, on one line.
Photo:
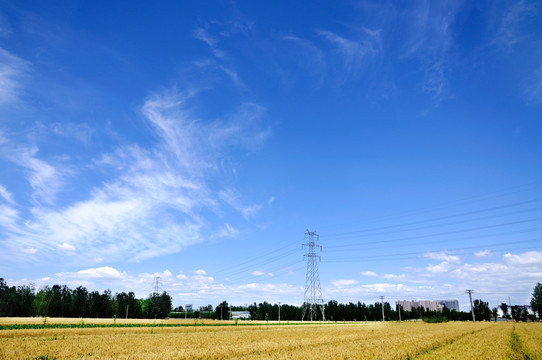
{"points": [[279, 312], [127, 311], [313, 292], [471, 308], [399, 311], [382, 302]]}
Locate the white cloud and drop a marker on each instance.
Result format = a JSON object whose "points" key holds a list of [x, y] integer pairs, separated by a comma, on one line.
{"points": [[368, 273], [310, 57], [444, 256], [528, 258], [261, 273], [226, 231], [355, 51], [533, 90], [428, 38], [104, 272], [12, 71], [393, 276], [201, 272], [233, 75], [8, 217], [152, 200], [231, 198], [44, 178], [484, 253], [439, 268], [343, 283], [506, 34], [66, 246], [211, 41], [6, 195], [82, 132]]}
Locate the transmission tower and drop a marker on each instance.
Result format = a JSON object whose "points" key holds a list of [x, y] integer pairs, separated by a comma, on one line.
{"points": [[313, 293], [157, 285]]}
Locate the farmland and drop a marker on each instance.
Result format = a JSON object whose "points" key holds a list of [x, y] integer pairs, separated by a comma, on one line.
{"points": [[171, 340]]}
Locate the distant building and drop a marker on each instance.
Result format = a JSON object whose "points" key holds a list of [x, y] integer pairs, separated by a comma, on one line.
{"points": [[429, 305], [243, 315], [450, 304]]}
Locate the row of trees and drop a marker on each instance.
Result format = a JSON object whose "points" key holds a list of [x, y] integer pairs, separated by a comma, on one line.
{"points": [[335, 311], [61, 301]]}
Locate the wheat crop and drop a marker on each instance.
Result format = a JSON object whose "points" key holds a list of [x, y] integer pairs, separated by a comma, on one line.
{"points": [[320, 341]]}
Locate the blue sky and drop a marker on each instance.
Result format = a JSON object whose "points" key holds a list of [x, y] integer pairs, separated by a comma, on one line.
{"points": [[199, 141]]}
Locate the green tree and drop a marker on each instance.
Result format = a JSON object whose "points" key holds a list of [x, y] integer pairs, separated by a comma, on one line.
{"points": [[536, 300], [481, 310], [55, 305], [524, 313], [221, 310], [24, 301], [3, 297], [158, 306], [504, 309], [516, 312], [42, 300], [80, 302]]}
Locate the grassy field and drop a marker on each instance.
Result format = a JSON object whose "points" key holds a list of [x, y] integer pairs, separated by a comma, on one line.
{"points": [[407, 340]]}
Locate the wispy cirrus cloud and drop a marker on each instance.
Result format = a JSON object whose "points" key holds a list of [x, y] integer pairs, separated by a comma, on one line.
{"points": [[6, 195], [355, 51], [204, 35], [12, 72], [507, 34], [533, 90], [44, 178], [429, 39], [153, 198], [309, 57]]}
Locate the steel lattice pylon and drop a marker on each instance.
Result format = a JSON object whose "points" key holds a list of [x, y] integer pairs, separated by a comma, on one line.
{"points": [[313, 293]]}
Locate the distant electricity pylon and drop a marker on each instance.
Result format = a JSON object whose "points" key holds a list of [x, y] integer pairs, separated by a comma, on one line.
{"points": [[313, 294], [157, 284]]}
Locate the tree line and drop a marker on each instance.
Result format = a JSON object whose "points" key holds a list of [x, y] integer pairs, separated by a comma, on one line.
{"points": [[61, 301], [335, 311]]}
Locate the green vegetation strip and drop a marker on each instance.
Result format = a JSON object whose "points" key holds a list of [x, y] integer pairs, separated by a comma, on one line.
{"points": [[85, 325], [516, 346]]}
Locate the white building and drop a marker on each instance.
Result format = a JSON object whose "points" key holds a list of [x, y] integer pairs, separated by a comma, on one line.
{"points": [[243, 315], [429, 305]]}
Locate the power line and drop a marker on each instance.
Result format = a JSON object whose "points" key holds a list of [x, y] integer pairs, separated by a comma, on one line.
{"points": [[348, 247], [353, 233], [447, 232], [411, 255]]}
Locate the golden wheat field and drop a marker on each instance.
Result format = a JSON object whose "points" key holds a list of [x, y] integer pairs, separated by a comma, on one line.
{"points": [[407, 340]]}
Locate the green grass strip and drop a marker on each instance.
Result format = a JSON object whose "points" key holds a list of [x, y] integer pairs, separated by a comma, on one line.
{"points": [[87, 325]]}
